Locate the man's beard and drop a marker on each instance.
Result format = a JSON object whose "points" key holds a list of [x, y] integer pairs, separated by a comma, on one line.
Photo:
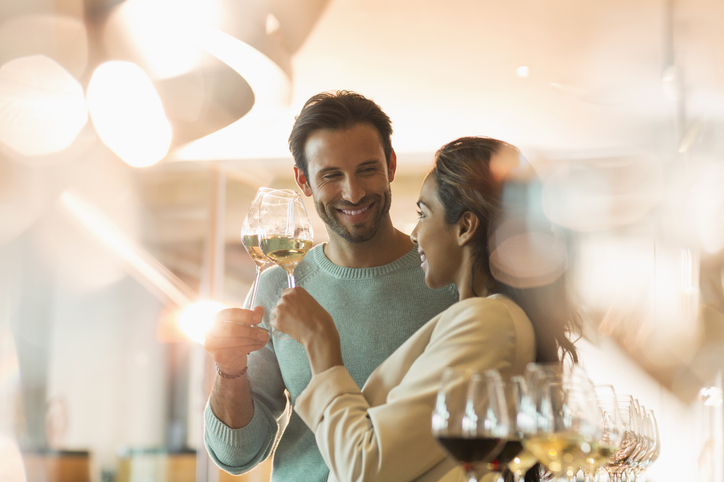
{"points": [[363, 233]]}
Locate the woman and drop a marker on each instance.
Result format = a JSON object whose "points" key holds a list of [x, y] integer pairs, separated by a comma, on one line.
{"points": [[382, 432]]}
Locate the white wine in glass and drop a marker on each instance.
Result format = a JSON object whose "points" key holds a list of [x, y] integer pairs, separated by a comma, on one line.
{"points": [[567, 419], [251, 232], [287, 232]]}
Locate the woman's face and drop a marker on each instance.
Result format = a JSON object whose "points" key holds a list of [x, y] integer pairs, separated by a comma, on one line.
{"points": [[440, 253]]}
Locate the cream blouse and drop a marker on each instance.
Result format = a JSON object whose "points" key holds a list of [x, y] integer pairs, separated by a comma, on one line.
{"points": [[382, 432]]}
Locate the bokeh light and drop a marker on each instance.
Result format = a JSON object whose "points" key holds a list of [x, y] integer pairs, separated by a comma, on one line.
{"points": [[593, 194], [42, 106], [157, 34], [62, 38], [127, 113]]}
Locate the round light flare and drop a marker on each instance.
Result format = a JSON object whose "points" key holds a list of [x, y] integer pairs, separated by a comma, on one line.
{"points": [[42, 107], [198, 318], [127, 113], [522, 71]]}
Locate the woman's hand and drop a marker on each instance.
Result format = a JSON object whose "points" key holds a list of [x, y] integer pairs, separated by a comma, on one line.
{"points": [[300, 316]]}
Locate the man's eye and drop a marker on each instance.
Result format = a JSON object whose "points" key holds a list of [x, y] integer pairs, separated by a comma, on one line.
{"points": [[330, 177]]}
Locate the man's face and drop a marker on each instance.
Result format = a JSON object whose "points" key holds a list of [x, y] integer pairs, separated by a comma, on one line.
{"points": [[349, 179]]}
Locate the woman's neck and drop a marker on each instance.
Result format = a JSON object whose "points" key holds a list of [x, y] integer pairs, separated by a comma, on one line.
{"points": [[471, 283]]}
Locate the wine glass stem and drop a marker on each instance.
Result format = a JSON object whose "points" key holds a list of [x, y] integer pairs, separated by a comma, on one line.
{"points": [[252, 301], [290, 278]]}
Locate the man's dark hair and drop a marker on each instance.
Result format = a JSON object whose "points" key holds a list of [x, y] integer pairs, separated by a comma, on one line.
{"points": [[337, 110]]}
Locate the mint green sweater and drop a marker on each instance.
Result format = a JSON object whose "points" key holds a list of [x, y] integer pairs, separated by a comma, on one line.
{"points": [[375, 310]]}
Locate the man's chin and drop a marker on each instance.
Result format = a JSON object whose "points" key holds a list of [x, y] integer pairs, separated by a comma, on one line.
{"points": [[355, 237]]}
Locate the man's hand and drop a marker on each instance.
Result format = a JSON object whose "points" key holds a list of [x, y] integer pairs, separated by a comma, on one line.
{"points": [[300, 316], [233, 336]]}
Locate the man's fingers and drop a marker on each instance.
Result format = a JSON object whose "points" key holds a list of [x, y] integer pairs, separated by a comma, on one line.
{"points": [[238, 315], [241, 343]]}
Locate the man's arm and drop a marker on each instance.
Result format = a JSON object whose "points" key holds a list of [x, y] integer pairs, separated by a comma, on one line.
{"points": [[229, 342]]}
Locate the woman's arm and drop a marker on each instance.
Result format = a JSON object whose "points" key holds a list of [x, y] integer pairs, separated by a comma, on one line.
{"points": [[392, 441]]}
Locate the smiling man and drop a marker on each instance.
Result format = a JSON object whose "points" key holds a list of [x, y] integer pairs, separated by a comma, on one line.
{"points": [[367, 278]]}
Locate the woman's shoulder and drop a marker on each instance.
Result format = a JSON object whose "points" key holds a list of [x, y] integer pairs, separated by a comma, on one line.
{"points": [[494, 310]]}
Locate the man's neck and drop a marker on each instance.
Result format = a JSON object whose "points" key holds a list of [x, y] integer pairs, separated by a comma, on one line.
{"points": [[388, 245]]}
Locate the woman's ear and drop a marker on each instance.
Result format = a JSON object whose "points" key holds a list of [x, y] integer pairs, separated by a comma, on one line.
{"points": [[467, 226]]}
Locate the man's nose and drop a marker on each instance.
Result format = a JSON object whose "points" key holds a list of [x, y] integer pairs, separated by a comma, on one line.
{"points": [[352, 191]]}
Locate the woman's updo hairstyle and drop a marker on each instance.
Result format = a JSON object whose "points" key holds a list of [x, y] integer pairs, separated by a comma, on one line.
{"points": [[478, 175]]}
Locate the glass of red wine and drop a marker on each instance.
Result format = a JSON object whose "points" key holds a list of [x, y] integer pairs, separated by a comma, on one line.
{"points": [[513, 456], [470, 419]]}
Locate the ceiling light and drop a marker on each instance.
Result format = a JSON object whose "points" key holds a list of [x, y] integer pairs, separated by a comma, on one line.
{"points": [[522, 71]]}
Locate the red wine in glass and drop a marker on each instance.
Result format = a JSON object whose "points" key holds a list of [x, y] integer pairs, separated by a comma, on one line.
{"points": [[510, 450], [470, 451]]}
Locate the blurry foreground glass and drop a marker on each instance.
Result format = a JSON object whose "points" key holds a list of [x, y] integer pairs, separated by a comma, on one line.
{"points": [[513, 456], [470, 418], [611, 436], [631, 441], [567, 419]]}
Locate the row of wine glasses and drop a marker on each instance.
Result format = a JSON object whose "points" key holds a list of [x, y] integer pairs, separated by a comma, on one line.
{"points": [[552, 421], [276, 230]]}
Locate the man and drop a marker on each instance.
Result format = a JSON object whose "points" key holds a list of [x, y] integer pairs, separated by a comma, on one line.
{"points": [[367, 277]]}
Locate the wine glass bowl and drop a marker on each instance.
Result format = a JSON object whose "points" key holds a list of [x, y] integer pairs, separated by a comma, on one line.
{"points": [[619, 463], [513, 456], [287, 233], [567, 423], [612, 432], [251, 232], [470, 419]]}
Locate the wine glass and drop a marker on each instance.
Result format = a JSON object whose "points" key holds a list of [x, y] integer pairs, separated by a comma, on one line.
{"points": [[470, 418], [653, 431], [612, 434], [618, 464], [513, 456], [251, 232], [567, 419], [286, 230]]}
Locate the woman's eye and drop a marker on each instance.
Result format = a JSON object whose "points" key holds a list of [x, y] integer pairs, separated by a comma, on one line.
{"points": [[420, 215]]}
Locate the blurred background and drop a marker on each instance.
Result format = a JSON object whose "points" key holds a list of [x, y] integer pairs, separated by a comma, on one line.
{"points": [[134, 134]]}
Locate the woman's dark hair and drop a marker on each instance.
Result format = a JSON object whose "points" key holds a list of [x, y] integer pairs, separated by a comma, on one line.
{"points": [[337, 110], [466, 183]]}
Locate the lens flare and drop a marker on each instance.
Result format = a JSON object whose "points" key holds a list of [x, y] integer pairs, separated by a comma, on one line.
{"points": [[198, 318], [127, 113]]}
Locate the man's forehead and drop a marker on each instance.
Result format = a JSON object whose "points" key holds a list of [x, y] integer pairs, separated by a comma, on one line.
{"points": [[327, 149]]}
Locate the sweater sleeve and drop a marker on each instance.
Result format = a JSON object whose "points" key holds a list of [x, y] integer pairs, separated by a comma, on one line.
{"points": [[393, 441], [239, 450]]}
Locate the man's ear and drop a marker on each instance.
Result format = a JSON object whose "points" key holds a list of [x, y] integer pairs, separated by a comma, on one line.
{"points": [[302, 181], [393, 166], [467, 225]]}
